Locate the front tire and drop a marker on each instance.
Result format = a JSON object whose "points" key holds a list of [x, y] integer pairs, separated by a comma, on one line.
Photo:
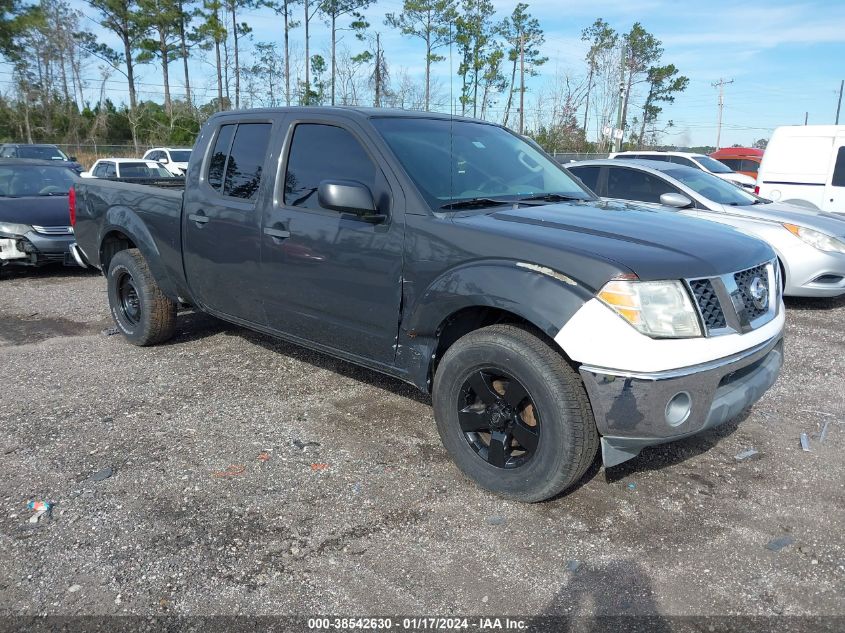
{"points": [[513, 414], [141, 311]]}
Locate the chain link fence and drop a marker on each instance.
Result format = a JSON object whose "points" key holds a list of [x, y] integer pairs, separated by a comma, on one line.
{"points": [[568, 157]]}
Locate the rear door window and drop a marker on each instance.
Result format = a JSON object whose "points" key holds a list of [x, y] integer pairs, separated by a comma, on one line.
{"points": [[588, 175], [682, 160], [246, 160], [324, 152], [632, 184], [237, 159], [839, 169], [217, 163]]}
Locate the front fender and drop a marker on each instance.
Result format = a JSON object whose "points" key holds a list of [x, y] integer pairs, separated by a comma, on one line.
{"points": [[124, 220], [545, 298], [522, 288]]}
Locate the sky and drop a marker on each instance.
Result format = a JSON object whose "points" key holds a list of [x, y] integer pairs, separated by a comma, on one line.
{"points": [[786, 59]]}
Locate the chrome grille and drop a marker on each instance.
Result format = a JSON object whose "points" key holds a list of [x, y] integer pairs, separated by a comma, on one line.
{"points": [[725, 303], [53, 230], [743, 281], [708, 304]]}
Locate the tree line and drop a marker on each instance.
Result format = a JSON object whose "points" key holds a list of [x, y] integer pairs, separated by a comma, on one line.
{"points": [[50, 94]]}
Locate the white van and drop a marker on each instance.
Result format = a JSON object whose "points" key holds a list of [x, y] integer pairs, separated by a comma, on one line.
{"points": [[805, 164]]}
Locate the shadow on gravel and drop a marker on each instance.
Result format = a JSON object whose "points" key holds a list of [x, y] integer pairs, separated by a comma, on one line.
{"points": [[620, 589], [50, 271], [674, 453], [193, 326], [814, 303], [21, 330]]}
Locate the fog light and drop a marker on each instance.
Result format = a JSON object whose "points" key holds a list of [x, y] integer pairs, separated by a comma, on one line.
{"points": [[678, 409]]}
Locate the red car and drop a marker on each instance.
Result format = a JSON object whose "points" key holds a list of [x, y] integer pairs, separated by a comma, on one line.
{"points": [[744, 160]]}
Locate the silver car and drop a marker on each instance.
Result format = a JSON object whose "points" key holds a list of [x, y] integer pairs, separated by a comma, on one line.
{"points": [[810, 244]]}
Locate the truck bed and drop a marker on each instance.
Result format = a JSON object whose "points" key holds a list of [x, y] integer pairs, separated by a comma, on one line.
{"points": [[149, 211]]}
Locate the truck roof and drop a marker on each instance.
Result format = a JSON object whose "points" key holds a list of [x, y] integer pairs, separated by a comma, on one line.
{"points": [[362, 112]]}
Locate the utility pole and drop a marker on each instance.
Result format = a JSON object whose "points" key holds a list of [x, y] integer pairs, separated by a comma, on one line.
{"points": [[839, 105], [617, 142], [806, 117], [721, 86], [521, 83], [377, 75]]}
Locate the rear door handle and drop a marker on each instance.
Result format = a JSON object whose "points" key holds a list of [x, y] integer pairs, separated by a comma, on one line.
{"points": [[198, 218], [279, 234]]}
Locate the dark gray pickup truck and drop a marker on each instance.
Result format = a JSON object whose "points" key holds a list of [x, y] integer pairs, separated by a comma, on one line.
{"points": [[454, 255]]}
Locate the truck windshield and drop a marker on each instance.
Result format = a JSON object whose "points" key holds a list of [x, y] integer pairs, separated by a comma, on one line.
{"points": [[455, 161], [712, 187]]}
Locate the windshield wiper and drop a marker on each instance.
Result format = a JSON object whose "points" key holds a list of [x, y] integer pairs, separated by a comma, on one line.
{"points": [[552, 197], [474, 203]]}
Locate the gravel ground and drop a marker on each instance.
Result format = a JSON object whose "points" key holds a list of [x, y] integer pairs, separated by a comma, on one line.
{"points": [[229, 473]]}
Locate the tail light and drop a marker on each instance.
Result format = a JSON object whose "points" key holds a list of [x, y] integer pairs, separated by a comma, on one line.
{"points": [[756, 190], [71, 205]]}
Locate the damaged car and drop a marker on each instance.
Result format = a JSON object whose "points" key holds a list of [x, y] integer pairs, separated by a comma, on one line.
{"points": [[34, 223]]}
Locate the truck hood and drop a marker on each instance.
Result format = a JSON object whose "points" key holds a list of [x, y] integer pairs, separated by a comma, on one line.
{"points": [[780, 212], [38, 210], [652, 243]]}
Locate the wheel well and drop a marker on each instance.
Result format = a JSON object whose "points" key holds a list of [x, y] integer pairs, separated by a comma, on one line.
{"points": [[113, 243], [782, 274], [467, 320]]}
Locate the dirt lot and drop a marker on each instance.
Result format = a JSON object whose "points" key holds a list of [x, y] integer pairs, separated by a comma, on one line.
{"points": [[227, 472]]}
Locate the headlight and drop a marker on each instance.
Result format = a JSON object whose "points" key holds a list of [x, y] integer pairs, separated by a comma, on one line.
{"points": [[8, 228], [816, 239], [661, 309]]}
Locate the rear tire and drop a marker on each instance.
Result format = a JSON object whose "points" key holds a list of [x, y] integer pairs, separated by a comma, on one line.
{"points": [[542, 435], [141, 311]]}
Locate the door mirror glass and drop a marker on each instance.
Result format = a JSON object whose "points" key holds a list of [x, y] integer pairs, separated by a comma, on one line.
{"points": [[677, 200], [346, 196]]}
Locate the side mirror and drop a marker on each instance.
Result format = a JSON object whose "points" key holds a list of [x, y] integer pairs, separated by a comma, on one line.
{"points": [[348, 196], [676, 200], [72, 158], [163, 160]]}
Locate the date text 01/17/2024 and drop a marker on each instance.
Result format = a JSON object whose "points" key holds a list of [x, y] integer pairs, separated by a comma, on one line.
{"points": [[418, 624]]}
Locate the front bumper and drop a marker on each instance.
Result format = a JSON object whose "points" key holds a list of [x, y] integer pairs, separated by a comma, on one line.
{"points": [[35, 249], [632, 410], [814, 273]]}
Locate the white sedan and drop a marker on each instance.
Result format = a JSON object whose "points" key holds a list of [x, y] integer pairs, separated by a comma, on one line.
{"points": [[810, 245], [126, 168]]}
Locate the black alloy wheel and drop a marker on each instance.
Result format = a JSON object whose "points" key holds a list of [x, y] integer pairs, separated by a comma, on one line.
{"points": [[498, 418]]}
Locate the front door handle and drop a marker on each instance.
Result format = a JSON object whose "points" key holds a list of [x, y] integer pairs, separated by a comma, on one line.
{"points": [[279, 234], [199, 218]]}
